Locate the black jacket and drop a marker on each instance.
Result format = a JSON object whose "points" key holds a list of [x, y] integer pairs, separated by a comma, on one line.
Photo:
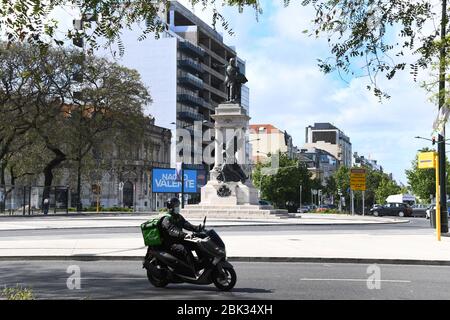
{"points": [[172, 229]]}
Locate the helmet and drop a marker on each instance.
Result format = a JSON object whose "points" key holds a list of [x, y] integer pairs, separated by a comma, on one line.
{"points": [[172, 203]]}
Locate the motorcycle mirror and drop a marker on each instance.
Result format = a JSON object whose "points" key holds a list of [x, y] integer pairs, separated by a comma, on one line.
{"points": [[204, 222]]}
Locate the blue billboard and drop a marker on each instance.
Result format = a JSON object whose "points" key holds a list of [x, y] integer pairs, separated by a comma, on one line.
{"points": [[166, 181]]}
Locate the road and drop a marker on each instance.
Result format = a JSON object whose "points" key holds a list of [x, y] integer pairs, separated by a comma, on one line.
{"points": [[257, 280], [415, 226]]}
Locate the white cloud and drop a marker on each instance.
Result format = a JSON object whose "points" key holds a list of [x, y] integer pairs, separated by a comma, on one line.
{"points": [[288, 90]]}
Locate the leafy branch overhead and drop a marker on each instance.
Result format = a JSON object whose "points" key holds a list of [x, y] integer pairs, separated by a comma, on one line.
{"points": [[375, 36]]}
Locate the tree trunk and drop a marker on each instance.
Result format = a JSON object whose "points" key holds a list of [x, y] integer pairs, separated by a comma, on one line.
{"points": [[48, 171]]}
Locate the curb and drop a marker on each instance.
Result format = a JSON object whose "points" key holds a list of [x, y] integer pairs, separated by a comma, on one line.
{"points": [[271, 224], [240, 259], [82, 214]]}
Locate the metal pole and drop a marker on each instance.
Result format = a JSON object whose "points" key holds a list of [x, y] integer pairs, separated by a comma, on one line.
{"points": [[353, 203], [438, 207], [441, 138], [67, 200], [182, 185], [98, 198], [300, 197], [363, 195], [29, 201], [55, 201], [24, 198]]}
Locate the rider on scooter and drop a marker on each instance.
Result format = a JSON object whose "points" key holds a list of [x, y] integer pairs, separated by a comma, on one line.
{"points": [[172, 233]]}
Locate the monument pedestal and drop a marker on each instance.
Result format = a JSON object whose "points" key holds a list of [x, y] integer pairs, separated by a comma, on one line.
{"points": [[230, 199]]}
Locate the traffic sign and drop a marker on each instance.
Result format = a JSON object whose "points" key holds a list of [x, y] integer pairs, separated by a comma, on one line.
{"points": [[358, 179], [426, 160]]}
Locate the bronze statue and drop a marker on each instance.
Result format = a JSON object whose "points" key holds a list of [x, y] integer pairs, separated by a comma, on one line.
{"points": [[231, 172], [233, 80]]}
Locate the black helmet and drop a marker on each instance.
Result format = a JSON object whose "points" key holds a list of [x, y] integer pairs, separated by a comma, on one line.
{"points": [[172, 203]]}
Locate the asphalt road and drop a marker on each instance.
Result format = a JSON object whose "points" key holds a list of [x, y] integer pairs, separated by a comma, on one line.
{"points": [[414, 226], [292, 281]]}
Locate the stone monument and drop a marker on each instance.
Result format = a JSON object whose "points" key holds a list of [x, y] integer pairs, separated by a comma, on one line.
{"points": [[229, 192]]}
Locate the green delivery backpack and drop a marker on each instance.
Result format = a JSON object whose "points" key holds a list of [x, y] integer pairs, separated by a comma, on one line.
{"points": [[150, 231]]}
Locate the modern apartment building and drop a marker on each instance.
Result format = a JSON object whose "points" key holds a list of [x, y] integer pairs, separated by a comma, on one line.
{"points": [[185, 71], [367, 162], [327, 137], [320, 163]]}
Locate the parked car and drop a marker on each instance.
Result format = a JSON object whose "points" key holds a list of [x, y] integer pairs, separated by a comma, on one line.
{"points": [[420, 210], [304, 209], [264, 203], [392, 209]]}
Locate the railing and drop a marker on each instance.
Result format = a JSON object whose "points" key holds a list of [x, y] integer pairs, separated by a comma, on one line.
{"points": [[187, 46], [191, 81], [190, 115], [191, 65], [191, 100]]}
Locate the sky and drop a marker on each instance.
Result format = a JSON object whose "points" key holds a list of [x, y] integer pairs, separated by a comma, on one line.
{"points": [[288, 90]]}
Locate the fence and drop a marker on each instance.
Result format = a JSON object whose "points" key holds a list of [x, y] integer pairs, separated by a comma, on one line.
{"points": [[28, 200]]}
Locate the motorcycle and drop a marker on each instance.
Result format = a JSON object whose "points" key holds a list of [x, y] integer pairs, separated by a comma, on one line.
{"points": [[210, 265]]}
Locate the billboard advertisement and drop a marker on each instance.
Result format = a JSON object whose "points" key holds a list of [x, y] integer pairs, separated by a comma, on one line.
{"points": [[164, 180]]}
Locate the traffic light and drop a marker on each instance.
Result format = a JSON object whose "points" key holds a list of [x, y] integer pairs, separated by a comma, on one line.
{"points": [[433, 140]]}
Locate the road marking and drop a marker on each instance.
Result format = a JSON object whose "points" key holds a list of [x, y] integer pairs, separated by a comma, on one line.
{"points": [[354, 280]]}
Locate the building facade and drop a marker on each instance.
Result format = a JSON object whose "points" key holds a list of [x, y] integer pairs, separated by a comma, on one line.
{"points": [[185, 70], [125, 176], [266, 139], [327, 137], [320, 163], [363, 161]]}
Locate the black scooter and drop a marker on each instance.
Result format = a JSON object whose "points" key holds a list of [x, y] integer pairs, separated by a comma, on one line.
{"points": [[210, 265]]}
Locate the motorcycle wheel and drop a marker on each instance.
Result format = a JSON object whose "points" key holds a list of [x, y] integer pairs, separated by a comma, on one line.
{"points": [[155, 281], [225, 283]]}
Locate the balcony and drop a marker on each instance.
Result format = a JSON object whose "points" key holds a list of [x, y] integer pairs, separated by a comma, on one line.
{"points": [[187, 115], [191, 81], [190, 65], [190, 100], [188, 47]]}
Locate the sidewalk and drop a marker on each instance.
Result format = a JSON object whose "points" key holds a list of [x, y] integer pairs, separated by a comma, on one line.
{"points": [[354, 246], [119, 221], [287, 247]]}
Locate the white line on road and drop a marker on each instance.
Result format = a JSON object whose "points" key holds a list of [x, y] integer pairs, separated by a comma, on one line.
{"points": [[355, 280]]}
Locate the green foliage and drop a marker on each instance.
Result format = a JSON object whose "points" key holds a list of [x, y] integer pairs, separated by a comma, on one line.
{"points": [[379, 185], [358, 32], [284, 186], [422, 182], [18, 293], [386, 188], [43, 127]]}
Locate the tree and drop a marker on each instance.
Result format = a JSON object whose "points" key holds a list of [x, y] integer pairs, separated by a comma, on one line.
{"points": [[283, 187], [422, 182], [37, 93], [358, 32], [386, 188]]}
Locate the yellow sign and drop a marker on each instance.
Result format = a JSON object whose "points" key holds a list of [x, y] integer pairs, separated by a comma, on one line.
{"points": [[426, 160], [358, 179]]}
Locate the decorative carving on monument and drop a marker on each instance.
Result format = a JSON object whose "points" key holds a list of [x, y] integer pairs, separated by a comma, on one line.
{"points": [[224, 191]]}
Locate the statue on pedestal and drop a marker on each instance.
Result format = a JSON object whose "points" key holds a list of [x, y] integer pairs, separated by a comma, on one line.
{"points": [[233, 80]]}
